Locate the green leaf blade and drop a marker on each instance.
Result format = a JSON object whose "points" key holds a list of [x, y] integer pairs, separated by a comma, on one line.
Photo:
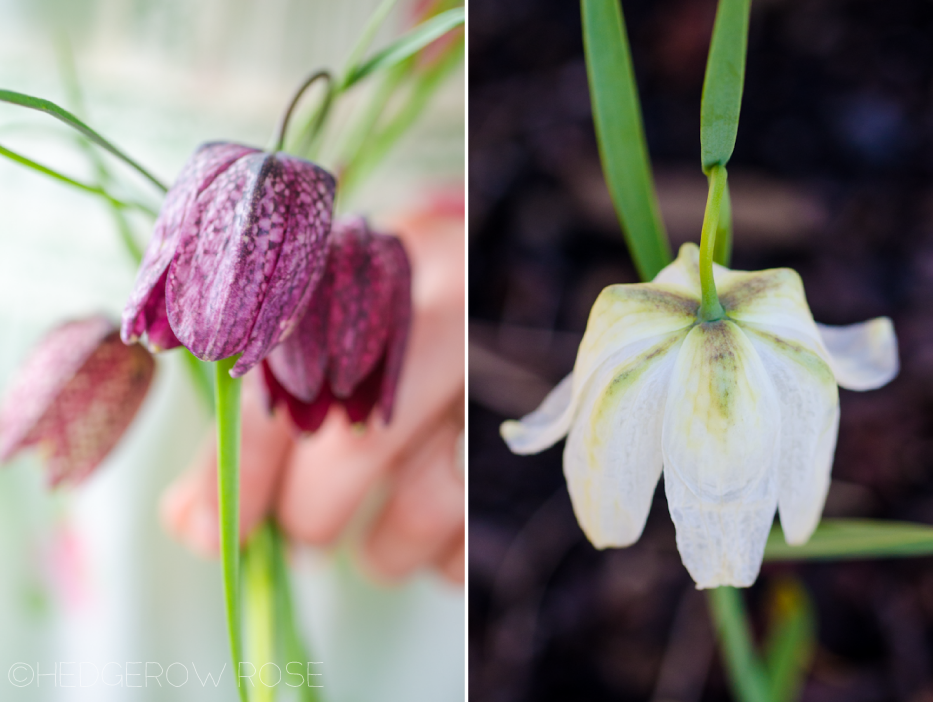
{"points": [[724, 81], [407, 45], [620, 134], [50, 108], [839, 539]]}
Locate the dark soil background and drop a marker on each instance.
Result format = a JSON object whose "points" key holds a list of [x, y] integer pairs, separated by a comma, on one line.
{"points": [[833, 176]]}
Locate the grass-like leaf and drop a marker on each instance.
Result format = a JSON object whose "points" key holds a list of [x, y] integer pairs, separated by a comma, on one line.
{"points": [[62, 178], [746, 671], [50, 108], [621, 137], [722, 86], [791, 639], [407, 45], [838, 539]]}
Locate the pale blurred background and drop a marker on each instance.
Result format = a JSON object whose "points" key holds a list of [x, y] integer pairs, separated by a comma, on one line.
{"points": [[88, 574]]}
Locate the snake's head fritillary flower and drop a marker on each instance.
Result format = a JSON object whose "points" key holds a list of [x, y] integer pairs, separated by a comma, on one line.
{"points": [[350, 342], [74, 397], [742, 413], [237, 250]]}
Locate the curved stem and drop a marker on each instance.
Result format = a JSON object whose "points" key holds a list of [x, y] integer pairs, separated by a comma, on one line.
{"points": [[283, 125], [710, 309], [227, 405]]}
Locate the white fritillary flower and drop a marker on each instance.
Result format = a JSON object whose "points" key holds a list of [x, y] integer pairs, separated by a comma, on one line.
{"points": [[741, 413]]}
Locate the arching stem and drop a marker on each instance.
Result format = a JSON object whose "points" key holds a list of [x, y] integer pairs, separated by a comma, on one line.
{"points": [[710, 309], [283, 125]]}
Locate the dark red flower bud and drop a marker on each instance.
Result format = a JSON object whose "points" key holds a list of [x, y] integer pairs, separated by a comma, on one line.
{"points": [[237, 251], [74, 397], [350, 342]]}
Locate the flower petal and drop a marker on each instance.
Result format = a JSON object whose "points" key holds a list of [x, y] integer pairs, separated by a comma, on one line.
{"points": [[720, 433], [809, 406], [395, 263], [612, 460], [545, 426], [626, 314], [226, 291], [361, 305], [54, 362], [684, 271], [862, 356], [306, 192], [146, 305]]}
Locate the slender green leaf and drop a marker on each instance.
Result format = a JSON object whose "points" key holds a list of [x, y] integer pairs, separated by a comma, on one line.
{"points": [[104, 178], [227, 404], [292, 647], [791, 639], [202, 378], [372, 150], [50, 108], [369, 33], [60, 177], [621, 137], [725, 78], [836, 539], [748, 676], [407, 45]]}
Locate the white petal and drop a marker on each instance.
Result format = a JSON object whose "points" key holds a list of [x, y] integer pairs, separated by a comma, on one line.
{"points": [[720, 432], [809, 402], [862, 356], [684, 271], [624, 322], [612, 460], [546, 425]]}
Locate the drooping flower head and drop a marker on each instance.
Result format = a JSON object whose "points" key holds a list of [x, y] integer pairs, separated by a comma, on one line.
{"points": [[74, 397], [742, 413], [237, 250], [349, 345]]}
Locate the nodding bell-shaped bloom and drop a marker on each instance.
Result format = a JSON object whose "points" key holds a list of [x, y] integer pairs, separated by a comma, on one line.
{"points": [[74, 397], [237, 250], [349, 345], [742, 413]]}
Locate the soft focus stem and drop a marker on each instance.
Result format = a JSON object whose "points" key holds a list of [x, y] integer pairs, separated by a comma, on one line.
{"points": [[710, 309], [227, 405], [259, 597], [745, 670]]}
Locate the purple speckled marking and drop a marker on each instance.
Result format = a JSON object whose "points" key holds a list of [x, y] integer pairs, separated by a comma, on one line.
{"points": [[75, 396], [301, 263], [145, 310], [251, 252], [354, 331]]}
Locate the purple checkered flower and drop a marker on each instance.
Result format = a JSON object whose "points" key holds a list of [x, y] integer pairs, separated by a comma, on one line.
{"points": [[349, 344], [74, 397], [237, 251]]}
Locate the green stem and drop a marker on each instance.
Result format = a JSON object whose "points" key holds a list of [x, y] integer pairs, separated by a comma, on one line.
{"points": [[283, 125], [259, 598], [745, 670], [227, 404], [723, 250], [710, 309]]}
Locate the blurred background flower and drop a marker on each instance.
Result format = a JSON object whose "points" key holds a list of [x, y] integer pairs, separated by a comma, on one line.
{"points": [[831, 176], [89, 575]]}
